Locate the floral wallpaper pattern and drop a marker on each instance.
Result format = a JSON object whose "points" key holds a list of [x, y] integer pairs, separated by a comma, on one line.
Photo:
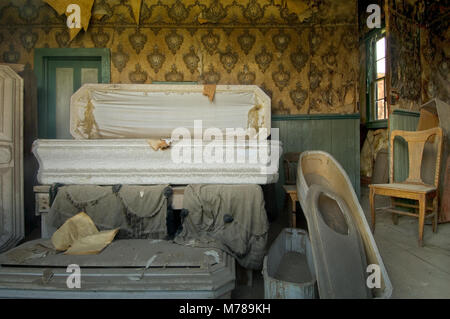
{"points": [[308, 63]]}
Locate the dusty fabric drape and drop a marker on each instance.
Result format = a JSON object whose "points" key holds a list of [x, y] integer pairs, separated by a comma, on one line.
{"points": [[132, 114], [138, 211], [227, 217]]}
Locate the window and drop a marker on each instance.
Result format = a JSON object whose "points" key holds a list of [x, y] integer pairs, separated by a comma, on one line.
{"points": [[376, 79]]}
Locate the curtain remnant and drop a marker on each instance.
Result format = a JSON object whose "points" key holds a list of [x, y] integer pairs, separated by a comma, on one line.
{"points": [[138, 211], [227, 217]]}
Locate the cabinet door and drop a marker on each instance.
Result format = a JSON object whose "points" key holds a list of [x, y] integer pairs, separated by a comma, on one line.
{"points": [[11, 159]]}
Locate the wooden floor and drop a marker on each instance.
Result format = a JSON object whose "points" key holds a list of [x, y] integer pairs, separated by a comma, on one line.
{"points": [[415, 272]]}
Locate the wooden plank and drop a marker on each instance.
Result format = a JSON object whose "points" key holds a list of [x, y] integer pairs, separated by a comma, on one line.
{"points": [[412, 277]]}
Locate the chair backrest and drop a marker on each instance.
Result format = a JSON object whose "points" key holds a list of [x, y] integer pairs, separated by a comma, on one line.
{"points": [[290, 160], [416, 143]]}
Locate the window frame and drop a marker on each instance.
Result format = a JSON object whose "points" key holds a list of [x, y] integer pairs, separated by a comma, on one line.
{"points": [[371, 79]]}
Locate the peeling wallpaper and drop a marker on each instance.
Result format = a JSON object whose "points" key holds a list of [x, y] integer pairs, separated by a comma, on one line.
{"points": [[435, 61], [307, 63], [420, 51]]}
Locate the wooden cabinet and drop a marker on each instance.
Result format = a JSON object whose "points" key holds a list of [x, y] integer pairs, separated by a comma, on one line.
{"points": [[11, 158]]}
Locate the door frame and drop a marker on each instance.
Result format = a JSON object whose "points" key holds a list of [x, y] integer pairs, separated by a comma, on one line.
{"points": [[41, 58]]}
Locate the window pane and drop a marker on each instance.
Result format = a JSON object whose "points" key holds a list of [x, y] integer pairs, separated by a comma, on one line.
{"points": [[380, 90], [380, 109], [381, 49], [381, 68], [89, 76], [64, 90]]}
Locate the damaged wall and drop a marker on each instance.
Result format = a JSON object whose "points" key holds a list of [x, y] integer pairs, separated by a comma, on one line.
{"points": [[419, 37], [404, 41], [308, 62], [435, 55]]}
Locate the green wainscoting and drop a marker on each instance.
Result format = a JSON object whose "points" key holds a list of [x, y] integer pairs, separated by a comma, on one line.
{"points": [[335, 134], [406, 121]]}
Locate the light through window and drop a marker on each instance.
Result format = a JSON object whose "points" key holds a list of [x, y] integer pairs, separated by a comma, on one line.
{"points": [[380, 111], [376, 95]]}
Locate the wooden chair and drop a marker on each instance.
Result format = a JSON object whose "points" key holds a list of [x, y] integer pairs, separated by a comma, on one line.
{"points": [[290, 161], [413, 187]]}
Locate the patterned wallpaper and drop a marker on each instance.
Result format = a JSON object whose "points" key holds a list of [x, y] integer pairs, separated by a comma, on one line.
{"points": [[308, 62], [435, 61], [420, 51]]}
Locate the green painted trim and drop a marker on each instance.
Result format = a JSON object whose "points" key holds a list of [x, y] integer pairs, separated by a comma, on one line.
{"points": [[41, 56], [104, 53], [303, 117], [377, 124], [406, 113], [374, 31], [370, 63]]}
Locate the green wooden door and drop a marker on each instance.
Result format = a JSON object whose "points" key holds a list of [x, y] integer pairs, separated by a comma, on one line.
{"points": [[65, 76]]}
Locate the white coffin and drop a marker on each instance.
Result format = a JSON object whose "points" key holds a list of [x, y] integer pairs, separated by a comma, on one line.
{"points": [[124, 161], [11, 158], [110, 111], [112, 122]]}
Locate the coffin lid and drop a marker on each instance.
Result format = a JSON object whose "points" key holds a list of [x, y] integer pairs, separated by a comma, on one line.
{"points": [[111, 111], [120, 253]]}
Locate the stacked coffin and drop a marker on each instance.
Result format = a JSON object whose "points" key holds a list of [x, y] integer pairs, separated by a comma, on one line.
{"points": [[112, 125], [118, 131]]}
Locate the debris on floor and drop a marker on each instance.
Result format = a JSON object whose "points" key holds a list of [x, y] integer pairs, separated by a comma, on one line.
{"points": [[37, 251], [79, 236]]}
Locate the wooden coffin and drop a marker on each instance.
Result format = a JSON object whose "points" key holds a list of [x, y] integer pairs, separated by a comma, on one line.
{"points": [[318, 167]]}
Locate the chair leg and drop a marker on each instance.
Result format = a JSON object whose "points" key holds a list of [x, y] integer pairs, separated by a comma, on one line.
{"points": [[422, 207], [286, 207], [394, 219], [394, 216], [435, 222], [294, 213], [372, 207], [436, 214]]}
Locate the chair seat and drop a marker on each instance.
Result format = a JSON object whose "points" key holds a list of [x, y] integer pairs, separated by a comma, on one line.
{"points": [[416, 188]]}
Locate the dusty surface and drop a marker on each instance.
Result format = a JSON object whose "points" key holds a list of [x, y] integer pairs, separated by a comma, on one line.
{"points": [[415, 272], [293, 268]]}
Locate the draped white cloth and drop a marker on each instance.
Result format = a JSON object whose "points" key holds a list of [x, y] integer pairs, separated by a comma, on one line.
{"points": [[145, 114]]}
